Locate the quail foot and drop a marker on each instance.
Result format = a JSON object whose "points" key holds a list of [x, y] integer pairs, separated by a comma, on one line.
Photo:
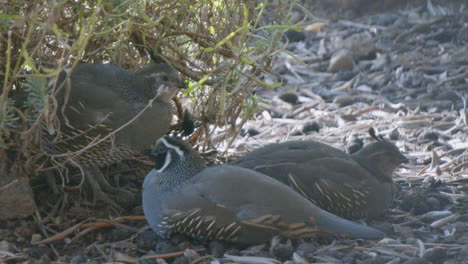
{"points": [[99, 99], [182, 195], [352, 187]]}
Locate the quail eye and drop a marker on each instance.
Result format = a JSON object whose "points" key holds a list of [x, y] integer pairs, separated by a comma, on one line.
{"points": [[164, 78]]}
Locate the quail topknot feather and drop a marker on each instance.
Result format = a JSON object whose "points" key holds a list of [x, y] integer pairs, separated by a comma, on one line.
{"points": [[182, 195]]}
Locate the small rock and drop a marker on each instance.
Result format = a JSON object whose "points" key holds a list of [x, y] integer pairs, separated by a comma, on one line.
{"points": [[342, 60], [184, 245], [374, 260], [414, 16], [394, 135], [431, 70], [161, 261], [289, 98], [191, 255], [451, 261], [275, 114], [384, 19], [216, 249], [344, 75], [5, 246], [310, 127], [45, 259], [252, 132], [80, 259], [404, 231], [148, 261], [306, 250], [37, 252], [177, 239], [282, 251], [121, 234], [416, 261], [35, 238], [364, 88], [147, 240], [414, 201], [443, 199], [444, 36], [459, 227], [436, 255], [233, 252], [433, 136], [16, 196], [463, 253], [163, 247], [181, 260], [296, 133], [388, 241], [380, 62], [401, 22], [294, 35], [351, 257], [345, 100], [361, 46], [257, 251]]}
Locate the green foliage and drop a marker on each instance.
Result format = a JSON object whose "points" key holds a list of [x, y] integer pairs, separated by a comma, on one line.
{"points": [[37, 96], [221, 46]]}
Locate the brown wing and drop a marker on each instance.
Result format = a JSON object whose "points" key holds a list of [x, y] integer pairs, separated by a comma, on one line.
{"points": [[339, 186]]}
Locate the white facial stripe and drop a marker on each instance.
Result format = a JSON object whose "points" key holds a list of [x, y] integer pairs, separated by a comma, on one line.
{"points": [[177, 149], [166, 162]]}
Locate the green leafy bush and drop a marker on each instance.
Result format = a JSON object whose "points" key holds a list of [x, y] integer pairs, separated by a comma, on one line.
{"points": [[222, 47]]}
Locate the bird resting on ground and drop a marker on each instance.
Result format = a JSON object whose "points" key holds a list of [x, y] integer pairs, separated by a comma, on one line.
{"points": [[182, 195], [350, 186]]}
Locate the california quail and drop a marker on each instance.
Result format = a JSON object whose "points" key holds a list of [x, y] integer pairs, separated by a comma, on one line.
{"points": [[224, 202], [352, 187], [101, 99]]}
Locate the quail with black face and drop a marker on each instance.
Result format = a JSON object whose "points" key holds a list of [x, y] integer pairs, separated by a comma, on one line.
{"points": [[182, 195], [350, 186], [99, 99]]}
